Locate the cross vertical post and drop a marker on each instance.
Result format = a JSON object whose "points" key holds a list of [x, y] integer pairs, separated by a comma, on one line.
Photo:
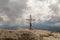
{"points": [[30, 21]]}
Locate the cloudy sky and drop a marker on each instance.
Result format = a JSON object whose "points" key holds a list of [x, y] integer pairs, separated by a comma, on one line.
{"points": [[15, 12]]}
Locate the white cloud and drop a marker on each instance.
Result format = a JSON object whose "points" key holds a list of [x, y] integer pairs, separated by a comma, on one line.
{"points": [[38, 9], [41, 10], [4, 17]]}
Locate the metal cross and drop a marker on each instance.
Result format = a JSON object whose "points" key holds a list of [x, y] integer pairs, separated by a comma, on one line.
{"points": [[30, 21]]}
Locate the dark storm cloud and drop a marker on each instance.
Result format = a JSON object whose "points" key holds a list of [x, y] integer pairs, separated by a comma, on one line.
{"points": [[12, 9], [3, 4], [54, 8], [55, 17], [1, 19]]}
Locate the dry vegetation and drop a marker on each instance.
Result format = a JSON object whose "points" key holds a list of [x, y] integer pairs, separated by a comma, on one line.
{"points": [[25, 34]]}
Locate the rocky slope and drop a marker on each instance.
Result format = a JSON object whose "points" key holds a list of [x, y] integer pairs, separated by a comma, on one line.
{"points": [[25, 34]]}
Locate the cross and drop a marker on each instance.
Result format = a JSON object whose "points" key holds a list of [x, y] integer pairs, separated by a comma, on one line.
{"points": [[30, 21]]}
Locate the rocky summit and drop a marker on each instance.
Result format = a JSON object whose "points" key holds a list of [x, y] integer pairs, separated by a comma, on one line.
{"points": [[25, 34]]}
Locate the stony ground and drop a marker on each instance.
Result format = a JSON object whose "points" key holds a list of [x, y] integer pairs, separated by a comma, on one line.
{"points": [[25, 34]]}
